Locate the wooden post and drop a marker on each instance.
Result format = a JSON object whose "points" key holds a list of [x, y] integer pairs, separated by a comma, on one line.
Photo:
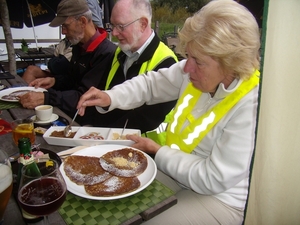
{"points": [[156, 27], [175, 29]]}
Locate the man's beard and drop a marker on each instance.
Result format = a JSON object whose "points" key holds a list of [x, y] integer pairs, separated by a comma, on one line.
{"points": [[129, 47], [76, 38]]}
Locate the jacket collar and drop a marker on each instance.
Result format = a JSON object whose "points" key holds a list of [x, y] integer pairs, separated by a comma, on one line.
{"points": [[98, 37], [222, 92]]}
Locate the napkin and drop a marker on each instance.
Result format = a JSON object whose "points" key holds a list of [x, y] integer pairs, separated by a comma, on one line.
{"points": [[9, 105], [4, 127]]}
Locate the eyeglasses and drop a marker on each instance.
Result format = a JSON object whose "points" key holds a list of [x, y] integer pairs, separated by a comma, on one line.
{"points": [[121, 27], [66, 26]]}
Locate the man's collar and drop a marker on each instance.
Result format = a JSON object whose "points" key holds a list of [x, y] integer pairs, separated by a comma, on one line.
{"points": [[94, 37]]}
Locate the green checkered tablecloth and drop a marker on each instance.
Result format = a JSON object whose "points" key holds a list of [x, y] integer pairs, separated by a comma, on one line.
{"points": [[9, 105], [77, 210]]}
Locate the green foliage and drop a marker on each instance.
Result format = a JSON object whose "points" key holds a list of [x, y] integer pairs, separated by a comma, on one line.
{"points": [[24, 43], [177, 16], [168, 29], [168, 22], [173, 5]]}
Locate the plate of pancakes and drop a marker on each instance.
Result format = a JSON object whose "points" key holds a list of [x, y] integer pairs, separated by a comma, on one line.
{"points": [[108, 172]]}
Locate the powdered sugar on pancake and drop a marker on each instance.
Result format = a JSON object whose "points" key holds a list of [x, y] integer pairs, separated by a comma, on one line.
{"points": [[113, 186], [125, 162], [85, 170], [114, 173]]}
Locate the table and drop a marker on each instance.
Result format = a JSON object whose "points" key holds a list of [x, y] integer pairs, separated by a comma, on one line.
{"points": [[12, 214], [153, 193], [32, 55]]}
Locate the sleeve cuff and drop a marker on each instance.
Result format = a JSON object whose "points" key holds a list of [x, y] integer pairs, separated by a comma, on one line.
{"points": [[46, 98]]}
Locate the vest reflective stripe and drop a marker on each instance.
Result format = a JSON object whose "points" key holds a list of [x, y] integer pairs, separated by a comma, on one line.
{"points": [[114, 67], [161, 53], [179, 112], [200, 128], [187, 139]]}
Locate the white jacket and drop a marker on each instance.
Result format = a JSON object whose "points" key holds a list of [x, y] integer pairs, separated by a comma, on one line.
{"points": [[219, 166]]}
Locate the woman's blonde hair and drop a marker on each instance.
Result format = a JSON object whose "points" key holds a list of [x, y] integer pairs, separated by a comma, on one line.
{"points": [[227, 32]]}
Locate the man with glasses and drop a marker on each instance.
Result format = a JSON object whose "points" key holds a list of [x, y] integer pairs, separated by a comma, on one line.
{"points": [[91, 54], [139, 50]]}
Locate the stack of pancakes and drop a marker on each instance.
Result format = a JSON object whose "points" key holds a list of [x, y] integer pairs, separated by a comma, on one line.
{"points": [[112, 174]]}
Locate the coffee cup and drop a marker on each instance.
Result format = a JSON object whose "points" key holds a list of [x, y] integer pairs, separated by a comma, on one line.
{"points": [[43, 112]]}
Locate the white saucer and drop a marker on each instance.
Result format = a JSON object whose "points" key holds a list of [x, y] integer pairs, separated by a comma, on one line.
{"points": [[53, 118]]}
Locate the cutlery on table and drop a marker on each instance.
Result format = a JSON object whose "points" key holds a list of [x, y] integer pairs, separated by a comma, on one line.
{"points": [[120, 137], [71, 151], [68, 129]]}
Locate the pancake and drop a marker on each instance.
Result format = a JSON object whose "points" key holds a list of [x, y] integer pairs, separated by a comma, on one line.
{"points": [[85, 170], [125, 162], [113, 186]]}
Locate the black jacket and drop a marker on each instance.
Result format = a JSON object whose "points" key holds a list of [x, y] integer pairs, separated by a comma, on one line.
{"points": [[86, 69], [146, 117]]}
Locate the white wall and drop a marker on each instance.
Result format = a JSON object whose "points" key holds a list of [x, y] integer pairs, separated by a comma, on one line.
{"points": [[275, 188]]}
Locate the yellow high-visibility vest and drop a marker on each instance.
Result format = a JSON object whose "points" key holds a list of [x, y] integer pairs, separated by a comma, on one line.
{"points": [[161, 53], [187, 139]]}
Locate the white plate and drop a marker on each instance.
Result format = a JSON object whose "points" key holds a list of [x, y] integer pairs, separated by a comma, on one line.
{"points": [[10, 90], [52, 119], [81, 131], [145, 178], [59, 141]]}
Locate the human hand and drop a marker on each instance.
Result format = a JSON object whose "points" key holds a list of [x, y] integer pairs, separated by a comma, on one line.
{"points": [[32, 99], [46, 82], [145, 144], [93, 97]]}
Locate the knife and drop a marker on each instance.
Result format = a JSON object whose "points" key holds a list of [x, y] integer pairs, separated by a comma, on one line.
{"points": [[123, 129]]}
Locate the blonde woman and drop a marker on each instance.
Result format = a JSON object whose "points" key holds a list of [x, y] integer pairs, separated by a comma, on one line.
{"points": [[210, 139]]}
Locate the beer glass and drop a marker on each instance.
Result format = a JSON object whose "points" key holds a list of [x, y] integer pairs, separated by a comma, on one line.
{"points": [[23, 128], [43, 194], [6, 182]]}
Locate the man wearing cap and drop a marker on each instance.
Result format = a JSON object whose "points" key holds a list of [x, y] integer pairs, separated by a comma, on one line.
{"points": [[63, 52], [91, 54]]}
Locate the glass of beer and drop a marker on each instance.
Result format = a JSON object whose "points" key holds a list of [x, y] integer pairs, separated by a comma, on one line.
{"points": [[23, 128], [6, 182], [43, 193]]}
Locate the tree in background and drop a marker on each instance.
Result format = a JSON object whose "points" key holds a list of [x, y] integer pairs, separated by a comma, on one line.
{"points": [[173, 5], [8, 37]]}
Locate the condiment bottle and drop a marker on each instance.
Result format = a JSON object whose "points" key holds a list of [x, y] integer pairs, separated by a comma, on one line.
{"points": [[26, 158]]}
